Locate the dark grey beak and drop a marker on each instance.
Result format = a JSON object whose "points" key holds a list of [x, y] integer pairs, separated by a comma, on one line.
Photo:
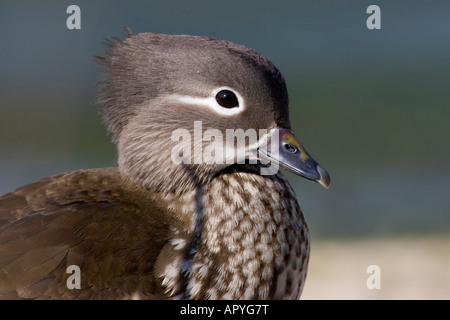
{"points": [[283, 148]]}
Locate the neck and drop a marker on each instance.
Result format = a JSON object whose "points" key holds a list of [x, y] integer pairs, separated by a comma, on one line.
{"points": [[248, 239], [151, 165]]}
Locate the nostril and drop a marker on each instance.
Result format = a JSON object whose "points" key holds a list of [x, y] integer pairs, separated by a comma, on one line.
{"points": [[290, 148]]}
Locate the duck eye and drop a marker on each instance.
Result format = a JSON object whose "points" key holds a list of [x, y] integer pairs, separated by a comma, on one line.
{"points": [[227, 99]]}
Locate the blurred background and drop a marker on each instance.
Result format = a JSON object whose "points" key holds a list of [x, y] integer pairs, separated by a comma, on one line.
{"points": [[371, 106]]}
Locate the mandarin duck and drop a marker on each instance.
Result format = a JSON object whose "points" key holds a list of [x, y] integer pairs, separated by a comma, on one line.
{"points": [[196, 208]]}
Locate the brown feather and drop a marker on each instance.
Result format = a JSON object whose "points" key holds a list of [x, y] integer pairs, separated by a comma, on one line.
{"points": [[85, 218]]}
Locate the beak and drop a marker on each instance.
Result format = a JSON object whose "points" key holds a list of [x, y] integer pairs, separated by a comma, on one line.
{"points": [[283, 148]]}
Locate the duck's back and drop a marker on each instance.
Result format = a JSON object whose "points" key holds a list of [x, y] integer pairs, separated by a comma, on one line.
{"points": [[85, 218]]}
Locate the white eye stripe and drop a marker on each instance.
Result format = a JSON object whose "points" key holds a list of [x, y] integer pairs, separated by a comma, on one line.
{"points": [[212, 104]]}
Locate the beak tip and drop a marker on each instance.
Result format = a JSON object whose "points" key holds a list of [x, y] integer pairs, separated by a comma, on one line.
{"points": [[324, 177]]}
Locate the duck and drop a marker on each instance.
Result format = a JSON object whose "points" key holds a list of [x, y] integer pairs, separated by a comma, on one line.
{"points": [[197, 207]]}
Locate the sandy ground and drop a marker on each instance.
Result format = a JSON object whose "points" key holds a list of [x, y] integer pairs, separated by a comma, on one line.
{"points": [[409, 268]]}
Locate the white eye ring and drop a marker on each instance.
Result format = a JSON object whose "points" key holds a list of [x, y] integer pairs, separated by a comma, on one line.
{"points": [[212, 103]]}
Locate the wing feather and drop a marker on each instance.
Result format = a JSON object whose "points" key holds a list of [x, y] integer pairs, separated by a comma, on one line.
{"points": [[83, 218]]}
